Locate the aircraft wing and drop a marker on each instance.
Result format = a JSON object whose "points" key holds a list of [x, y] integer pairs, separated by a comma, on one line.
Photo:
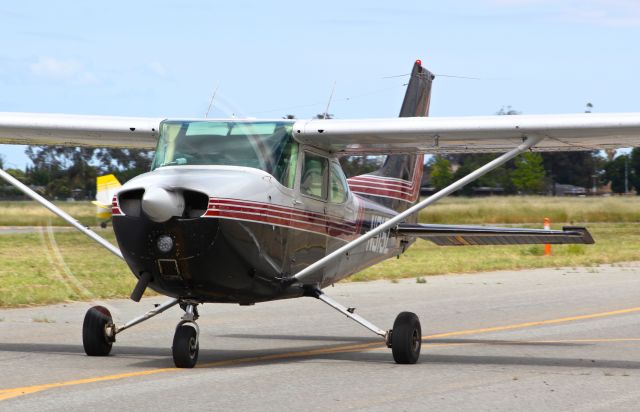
{"points": [[79, 130], [454, 235], [584, 131], [368, 136]]}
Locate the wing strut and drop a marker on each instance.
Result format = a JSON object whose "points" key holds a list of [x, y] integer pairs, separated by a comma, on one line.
{"points": [[527, 144], [64, 215]]}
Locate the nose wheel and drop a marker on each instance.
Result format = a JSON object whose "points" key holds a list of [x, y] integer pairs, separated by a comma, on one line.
{"points": [[186, 345]]}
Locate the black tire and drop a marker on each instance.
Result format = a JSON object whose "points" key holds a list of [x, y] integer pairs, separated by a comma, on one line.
{"points": [[94, 338], [185, 347], [406, 338]]}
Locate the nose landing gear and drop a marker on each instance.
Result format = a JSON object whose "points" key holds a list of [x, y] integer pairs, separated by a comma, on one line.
{"points": [[186, 345]]}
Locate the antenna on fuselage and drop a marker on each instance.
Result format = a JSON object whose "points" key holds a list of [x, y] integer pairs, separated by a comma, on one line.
{"points": [[326, 111], [213, 96]]}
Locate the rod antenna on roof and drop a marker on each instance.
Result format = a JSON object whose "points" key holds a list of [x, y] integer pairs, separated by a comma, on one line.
{"points": [[326, 111], [213, 96]]}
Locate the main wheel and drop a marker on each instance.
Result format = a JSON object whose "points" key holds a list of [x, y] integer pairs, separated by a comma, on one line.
{"points": [[94, 336], [406, 338], [185, 347]]}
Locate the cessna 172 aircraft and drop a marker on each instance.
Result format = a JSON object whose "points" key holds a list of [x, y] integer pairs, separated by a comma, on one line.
{"points": [[248, 211]]}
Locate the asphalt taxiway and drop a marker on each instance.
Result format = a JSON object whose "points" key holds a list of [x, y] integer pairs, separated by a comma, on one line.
{"points": [[552, 339]]}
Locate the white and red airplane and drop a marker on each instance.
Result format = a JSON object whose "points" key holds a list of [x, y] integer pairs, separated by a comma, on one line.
{"points": [[248, 211]]}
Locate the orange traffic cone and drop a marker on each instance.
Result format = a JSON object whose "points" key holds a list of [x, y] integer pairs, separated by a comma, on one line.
{"points": [[547, 246]]}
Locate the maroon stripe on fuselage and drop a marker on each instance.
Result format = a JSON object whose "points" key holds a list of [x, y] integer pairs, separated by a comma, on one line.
{"points": [[115, 207], [276, 209], [279, 215]]}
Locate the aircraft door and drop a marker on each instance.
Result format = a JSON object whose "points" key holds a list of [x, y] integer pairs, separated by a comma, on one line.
{"points": [[342, 210], [308, 242]]}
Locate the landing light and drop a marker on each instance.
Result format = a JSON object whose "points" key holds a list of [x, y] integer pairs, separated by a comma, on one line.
{"points": [[164, 243]]}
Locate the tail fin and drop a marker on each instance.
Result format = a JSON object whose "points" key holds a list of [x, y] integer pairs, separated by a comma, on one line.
{"points": [[106, 187], [396, 184]]}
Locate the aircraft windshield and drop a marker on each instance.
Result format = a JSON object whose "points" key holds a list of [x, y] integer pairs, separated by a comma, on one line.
{"points": [[268, 146]]}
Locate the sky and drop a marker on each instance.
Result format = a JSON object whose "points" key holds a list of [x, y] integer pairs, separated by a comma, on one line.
{"points": [[268, 59]]}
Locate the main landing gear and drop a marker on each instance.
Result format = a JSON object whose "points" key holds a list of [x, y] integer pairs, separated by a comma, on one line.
{"points": [[405, 339], [99, 332]]}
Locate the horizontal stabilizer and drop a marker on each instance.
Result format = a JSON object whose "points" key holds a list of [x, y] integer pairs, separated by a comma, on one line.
{"points": [[454, 235], [101, 205]]}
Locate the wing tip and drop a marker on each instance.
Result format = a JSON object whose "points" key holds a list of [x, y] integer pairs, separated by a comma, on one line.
{"points": [[585, 234]]}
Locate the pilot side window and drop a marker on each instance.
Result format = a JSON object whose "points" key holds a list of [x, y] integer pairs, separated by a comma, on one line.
{"points": [[338, 185], [314, 172]]}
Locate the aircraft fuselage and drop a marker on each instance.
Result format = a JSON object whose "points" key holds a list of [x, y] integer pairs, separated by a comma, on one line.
{"points": [[242, 234]]}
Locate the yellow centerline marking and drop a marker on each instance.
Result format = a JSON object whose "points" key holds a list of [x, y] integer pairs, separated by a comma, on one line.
{"points": [[25, 390]]}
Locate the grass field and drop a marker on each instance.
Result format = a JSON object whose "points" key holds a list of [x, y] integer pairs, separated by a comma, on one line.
{"points": [[533, 209], [29, 213], [49, 267]]}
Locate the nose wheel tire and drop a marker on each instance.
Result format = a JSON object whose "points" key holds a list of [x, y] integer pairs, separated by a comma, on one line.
{"points": [[406, 338], [185, 347], [94, 334]]}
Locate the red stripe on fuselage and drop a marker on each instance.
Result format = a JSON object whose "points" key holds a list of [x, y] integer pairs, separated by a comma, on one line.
{"points": [[284, 216], [115, 207]]}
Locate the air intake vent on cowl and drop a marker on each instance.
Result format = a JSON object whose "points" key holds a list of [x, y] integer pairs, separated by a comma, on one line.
{"points": [[195, 203], [131, 202]]}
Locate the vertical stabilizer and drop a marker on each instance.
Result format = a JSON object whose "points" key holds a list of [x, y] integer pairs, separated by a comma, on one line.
{"points": [[396, 184], [106, 187]]}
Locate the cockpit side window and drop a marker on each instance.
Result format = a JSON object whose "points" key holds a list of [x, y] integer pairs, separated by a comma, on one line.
{"points": [[314, 176], [338, 185], [285, 170]]}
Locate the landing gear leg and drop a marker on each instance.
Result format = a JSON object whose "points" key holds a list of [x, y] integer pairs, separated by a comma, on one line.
{"points": [[186, 339], [405, 339]]}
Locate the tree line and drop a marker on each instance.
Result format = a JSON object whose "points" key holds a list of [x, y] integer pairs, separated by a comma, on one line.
{"points": [[64, 172]]}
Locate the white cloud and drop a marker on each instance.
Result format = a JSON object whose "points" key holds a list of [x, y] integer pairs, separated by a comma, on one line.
{"points": [[59, 69]]}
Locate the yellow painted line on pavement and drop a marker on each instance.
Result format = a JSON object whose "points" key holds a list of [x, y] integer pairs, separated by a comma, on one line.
{"points": [[25, 390]]}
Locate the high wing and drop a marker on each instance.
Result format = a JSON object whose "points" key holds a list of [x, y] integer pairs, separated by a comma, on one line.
{"points": [[455, 235], [79, 130], [366, 136], [585, 131]]}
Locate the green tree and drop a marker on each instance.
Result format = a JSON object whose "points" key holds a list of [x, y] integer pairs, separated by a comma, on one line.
{"points": [[441, 174], [614, 172], [496, 178], [528, 175], [573, 168]]}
